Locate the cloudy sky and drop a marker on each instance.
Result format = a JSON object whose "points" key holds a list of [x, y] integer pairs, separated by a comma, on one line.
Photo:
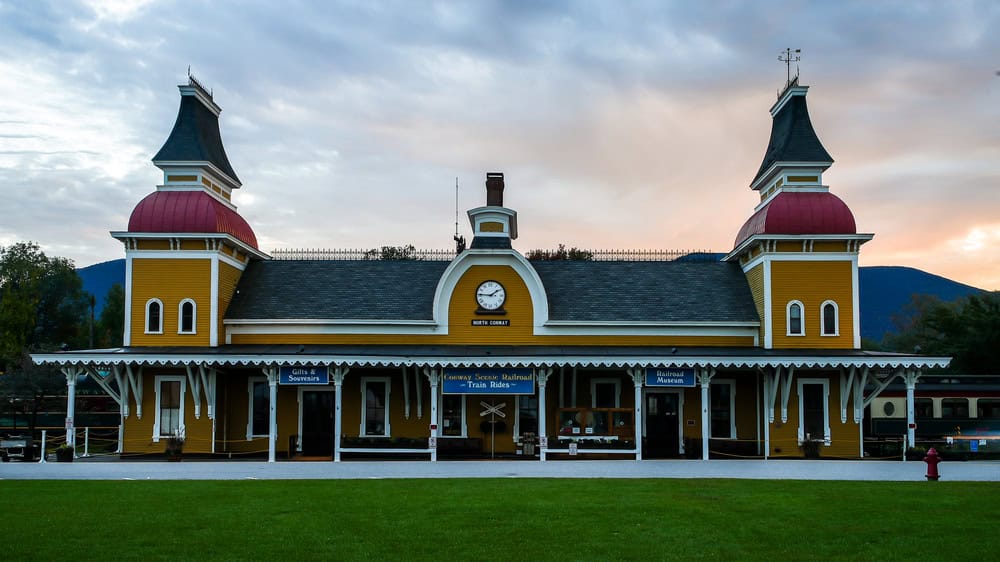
{"points": [[617, 124]]}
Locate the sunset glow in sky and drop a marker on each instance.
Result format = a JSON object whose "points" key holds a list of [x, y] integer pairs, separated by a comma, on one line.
{"points": [[617, 124]]}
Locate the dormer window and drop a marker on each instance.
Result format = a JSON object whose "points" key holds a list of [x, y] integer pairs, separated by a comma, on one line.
{"points": [[154, 316], [186, 316], [830, 321], [796, 324]]}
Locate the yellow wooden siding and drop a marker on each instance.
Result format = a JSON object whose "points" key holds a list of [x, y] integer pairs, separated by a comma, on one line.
{"points": [[153, 244], [229, 276], [755, 278], [491, 227], [195, 245], [830, 246], [171, 281], [789, 246], [843, 436], [138, 433], [812, 283]]}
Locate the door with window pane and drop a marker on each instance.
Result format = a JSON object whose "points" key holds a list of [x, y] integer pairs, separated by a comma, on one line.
{"points": [[662, 425]]}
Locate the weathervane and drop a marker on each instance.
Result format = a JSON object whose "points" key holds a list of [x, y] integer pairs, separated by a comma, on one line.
{"points": [[788, 57]]}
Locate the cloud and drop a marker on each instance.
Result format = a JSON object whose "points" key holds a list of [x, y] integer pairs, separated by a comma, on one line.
{"points": [[628, 125]]}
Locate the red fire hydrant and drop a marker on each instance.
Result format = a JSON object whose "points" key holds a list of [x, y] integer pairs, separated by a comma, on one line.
{"points": [[932, 459]]}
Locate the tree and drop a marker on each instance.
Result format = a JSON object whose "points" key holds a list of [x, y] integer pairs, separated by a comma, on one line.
{"points": [[392, 253], [42, 303], [968, 330], [575, 254], [111, 325]]}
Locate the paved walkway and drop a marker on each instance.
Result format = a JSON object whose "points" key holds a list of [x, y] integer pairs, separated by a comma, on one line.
{"points": [[750, 469]]}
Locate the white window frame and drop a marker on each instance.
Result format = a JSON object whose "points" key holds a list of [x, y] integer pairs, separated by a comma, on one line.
{"points": [[464, 422], [836, 318], [517, 416], [194, 317], [732, 406], [826, 409], [250, 382], [364, 405], [788, 319], [157, 380], [606, 380], [146, 318]]}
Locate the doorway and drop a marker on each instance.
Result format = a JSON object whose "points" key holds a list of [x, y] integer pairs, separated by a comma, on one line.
{"points": [[662, 427], [316, 424]]}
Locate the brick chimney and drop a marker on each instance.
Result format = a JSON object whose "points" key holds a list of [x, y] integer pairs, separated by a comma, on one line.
{"points": [[494, 189]]}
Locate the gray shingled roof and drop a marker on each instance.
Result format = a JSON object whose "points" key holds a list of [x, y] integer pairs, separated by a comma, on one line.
{"points": [[334, 289], [673, 291], [793, 138], [577, 291], [195, 138]]}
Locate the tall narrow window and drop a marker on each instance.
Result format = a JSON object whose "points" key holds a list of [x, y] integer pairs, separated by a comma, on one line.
{"points": [[375, 418], [453, 415], [154, 316], [186, 314], [260, 408], [831, 324], [722, 398], [527, 414], [169, 406], [795, 320]]}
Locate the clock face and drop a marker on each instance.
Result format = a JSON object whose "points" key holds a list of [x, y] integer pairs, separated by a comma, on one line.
{"points": [[490, 295]]}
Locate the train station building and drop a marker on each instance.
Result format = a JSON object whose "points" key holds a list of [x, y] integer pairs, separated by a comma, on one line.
{"points": [[483, 352]]}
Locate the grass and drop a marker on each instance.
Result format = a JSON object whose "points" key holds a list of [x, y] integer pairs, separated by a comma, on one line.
{"points": [[523, 519]]}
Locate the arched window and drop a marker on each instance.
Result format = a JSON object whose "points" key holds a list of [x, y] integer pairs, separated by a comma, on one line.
{"points": [[186, 316], [830, 319], [154, 316], [796, 323]]}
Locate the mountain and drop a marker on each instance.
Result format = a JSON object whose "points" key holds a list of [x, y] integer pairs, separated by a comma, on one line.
{"points": [[98, 279], [885, 290]]}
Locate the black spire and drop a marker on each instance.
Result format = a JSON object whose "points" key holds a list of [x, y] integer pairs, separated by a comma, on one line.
{"points": [[792, 136], [196, 136]]}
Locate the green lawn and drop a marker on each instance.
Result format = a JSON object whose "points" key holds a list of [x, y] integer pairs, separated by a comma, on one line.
{"points": [[523, 519]]}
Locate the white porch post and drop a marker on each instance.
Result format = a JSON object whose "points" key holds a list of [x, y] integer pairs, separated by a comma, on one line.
{"points": [[433, 377], [543, 439], [338, 385], [637, 380], [70, 373], [705, 378], [272, 426], [910, 377]]}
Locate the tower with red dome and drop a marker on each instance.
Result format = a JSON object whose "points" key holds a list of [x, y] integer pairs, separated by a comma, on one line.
{"points": [[799, 249], [186, 246]]}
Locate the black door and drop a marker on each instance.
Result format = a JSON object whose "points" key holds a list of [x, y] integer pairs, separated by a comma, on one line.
{"points": [[662, 426], [317, 423]]}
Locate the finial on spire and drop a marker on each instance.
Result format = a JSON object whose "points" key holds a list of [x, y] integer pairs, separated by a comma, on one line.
{"points": [[788, 56]]}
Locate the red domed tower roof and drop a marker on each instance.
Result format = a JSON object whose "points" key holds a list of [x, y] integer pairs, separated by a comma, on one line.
{"points": [[189, 212], [792, 212]]}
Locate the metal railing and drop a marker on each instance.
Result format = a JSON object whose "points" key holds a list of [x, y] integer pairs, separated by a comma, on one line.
{"points": [[411, 253]]}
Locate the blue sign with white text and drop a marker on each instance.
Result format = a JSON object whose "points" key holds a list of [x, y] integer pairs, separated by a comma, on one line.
{"points": [[488, 381], [669, 377], [303, 375]]}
